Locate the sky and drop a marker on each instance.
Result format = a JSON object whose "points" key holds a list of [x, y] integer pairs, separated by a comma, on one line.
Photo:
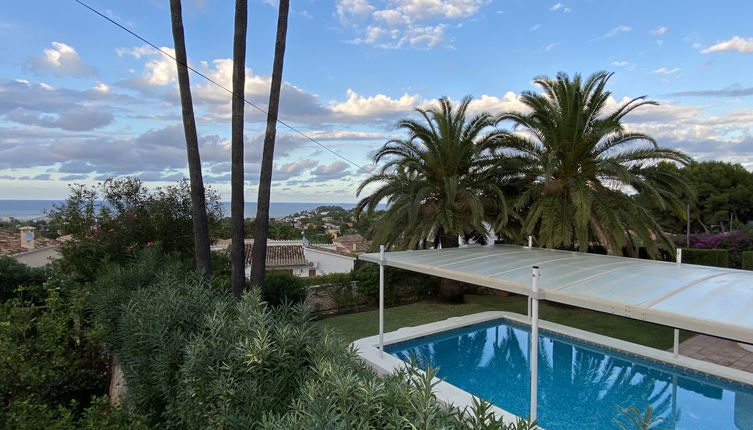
{"points": [[82, 100]]}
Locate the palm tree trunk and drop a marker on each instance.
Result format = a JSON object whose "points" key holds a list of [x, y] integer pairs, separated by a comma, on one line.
{"points": [[450, 290], [265, 179], [238, 247], [198, 200]]}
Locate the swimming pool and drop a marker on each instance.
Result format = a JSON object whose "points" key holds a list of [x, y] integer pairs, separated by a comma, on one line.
{"points": [[581, 385]]}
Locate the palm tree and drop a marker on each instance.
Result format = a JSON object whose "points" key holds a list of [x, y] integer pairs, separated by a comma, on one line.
{"points": [[265, 179], [581, 163], [238, 105], [435, 181], [198, 199]]}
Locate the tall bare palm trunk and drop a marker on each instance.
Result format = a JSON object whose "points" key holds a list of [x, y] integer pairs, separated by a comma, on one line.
{"points": [[265, 179], [450, 290], [238, 247], [198, 200]]}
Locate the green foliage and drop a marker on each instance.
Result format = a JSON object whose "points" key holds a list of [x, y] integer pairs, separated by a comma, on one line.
{"points": [[342, 394], [28, 415], [706, 257], [281, 287], [747, 260], [577, 157], [46, 359], [435, 180], [21, 281], [110, 220], [721, 193], [399, 285]]}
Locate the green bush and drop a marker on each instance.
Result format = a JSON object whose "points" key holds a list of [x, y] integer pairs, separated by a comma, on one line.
{"points": [[706, 257], [399, 285], [110, 220], [280, 287], [21, 281], [46, 357], [747, 260], [29, 415]]}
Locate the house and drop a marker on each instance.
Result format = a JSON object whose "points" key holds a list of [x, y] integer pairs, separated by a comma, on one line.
{"points": [[25, 247], [287, 258], [351, 244], [325, 260]]}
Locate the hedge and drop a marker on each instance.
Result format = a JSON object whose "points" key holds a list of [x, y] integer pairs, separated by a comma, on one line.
{"points": [[747, 260], [706, 257]]}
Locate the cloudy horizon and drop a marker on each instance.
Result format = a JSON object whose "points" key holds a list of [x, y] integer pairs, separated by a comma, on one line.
{"points": [[83, 101]]}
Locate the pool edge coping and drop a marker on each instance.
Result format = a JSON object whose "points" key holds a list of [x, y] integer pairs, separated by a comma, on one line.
{"points": [[367, 349]]}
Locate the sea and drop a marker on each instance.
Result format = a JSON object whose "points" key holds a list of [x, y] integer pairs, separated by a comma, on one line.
{"points": [[35, 209]]}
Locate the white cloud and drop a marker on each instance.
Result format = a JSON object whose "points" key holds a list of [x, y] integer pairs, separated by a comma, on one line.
{"points": [[617, 30], [417, 24], [336, 170], [659, 31], [374, 106], [736, 44], [551, 46], [348, 9], [63, 60], [559, 6], [665, 71], [535, 27]]}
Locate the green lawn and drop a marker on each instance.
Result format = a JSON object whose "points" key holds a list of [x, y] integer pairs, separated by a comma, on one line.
{"points": [[355, 326]]}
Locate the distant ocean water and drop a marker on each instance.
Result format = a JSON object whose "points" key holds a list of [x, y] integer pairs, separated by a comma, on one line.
{"points": [[31, 209]]}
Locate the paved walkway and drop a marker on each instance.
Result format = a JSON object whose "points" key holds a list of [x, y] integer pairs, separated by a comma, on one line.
{"points": [[719, 351]]}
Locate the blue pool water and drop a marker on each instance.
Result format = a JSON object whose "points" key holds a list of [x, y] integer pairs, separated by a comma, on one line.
{"points": [[581, 386]]}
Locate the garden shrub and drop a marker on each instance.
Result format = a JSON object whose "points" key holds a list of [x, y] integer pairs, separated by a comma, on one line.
{"points": [[706, 257], [341, 393], [735, 243], [152, 331], [399, 285], [21, 281], [111, 219], [47, 361], [281, 287], [747, 260], [30, 415]]}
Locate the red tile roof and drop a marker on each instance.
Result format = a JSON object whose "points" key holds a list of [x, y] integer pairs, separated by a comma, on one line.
{"points": [[280, 255], [10, 243]]}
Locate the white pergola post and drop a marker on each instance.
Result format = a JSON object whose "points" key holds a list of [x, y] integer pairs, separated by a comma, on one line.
{"points": [[679, 255], [534, 359], [381, 300], [530, 241]]}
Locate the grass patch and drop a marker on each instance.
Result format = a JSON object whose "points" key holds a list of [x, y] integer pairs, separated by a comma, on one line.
{"points": [[355, 326]]}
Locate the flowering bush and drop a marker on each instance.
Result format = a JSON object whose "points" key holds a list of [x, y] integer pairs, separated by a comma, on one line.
{"points": [[112, 219], [735, 242]]}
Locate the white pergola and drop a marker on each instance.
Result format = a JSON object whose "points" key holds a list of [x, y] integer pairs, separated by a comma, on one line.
{"points": [[701, 299]]}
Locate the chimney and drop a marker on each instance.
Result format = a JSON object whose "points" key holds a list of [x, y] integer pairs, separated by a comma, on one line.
{"points": [[27, 237]]}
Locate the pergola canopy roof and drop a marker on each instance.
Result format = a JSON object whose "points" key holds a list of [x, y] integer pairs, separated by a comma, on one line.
{"points": [[703, 299]]}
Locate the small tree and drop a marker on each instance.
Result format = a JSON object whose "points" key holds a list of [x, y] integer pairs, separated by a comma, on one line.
{"points": [[110, 220]]}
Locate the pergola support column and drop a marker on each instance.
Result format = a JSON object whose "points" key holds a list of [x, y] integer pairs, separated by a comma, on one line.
{"points": [[381, 300], [534, 355]]}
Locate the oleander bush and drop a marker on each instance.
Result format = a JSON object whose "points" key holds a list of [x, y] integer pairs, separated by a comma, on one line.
{"points": [[112, 219]]}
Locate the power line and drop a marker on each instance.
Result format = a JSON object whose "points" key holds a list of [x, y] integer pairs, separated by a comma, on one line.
{"points": [[212, 81]]}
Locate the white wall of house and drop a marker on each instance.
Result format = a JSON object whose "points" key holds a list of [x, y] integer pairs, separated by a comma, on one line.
{"points": [[327, 262], [38, 257], [299, 271]]}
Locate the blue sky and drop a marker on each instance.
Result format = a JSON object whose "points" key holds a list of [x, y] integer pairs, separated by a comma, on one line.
{"points": [[81, 100]]}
